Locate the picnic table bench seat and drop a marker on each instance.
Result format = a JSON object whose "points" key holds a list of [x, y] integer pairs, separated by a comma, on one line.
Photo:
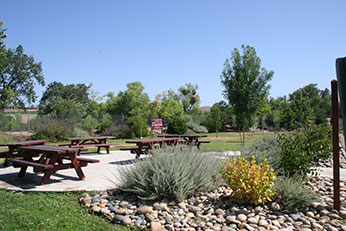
{"points": [[20, 163]]}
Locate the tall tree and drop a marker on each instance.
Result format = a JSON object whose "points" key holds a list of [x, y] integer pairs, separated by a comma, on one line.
{"points": [[18, 76], [245, 84], [189, 97], [55, 90], [214, 122], [134, 104]]}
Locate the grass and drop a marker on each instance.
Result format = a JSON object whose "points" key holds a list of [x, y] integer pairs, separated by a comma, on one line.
{"points": [[229, 141], [61, 211], [48, 211]]}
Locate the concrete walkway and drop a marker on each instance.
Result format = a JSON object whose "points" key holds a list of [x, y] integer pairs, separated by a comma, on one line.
{"points": [[100, 176]]}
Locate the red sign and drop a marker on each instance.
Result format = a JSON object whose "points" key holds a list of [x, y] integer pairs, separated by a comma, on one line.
{"points": [[157, 125]]}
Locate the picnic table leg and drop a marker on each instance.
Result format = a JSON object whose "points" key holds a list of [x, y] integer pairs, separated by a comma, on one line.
{"points": [[48, 172], [10, 152], [22, 171], [76, 166]]}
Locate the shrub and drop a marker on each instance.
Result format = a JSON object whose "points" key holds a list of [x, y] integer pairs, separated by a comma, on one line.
{"points": [[304, 146], [266, 148], [53, 130], [138, 125], [196, 127], [249, 181], [177, 126], [171, 175], [292, 194], [120, 131], [104, 125], [80, 133]]}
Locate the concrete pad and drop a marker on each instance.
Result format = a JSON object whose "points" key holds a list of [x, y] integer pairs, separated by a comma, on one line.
{"points": [[328, 172], [98, 176]]}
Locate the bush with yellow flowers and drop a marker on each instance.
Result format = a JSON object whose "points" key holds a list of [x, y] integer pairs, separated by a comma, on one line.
{"points": [[249, 181]]}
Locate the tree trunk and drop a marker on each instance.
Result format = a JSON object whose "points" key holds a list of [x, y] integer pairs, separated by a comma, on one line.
{"points": [[244, 135]]}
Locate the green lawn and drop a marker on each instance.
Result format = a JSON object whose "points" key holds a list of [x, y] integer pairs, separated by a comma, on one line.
{"points": [[61, 211], [48, 211]]}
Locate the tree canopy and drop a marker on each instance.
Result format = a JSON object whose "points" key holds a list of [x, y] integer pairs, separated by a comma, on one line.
{"points": [[18, 76], [245, 83], [56, 90], [189, 97]]}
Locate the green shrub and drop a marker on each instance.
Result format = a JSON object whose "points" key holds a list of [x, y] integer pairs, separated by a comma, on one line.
{"points": [[302, 147], [171, 175], [120, 131], [80, 133], [249, 181], [196, 127], [177, 126], [52, 130], [292, 193], [266, 148], [138, 125], [104, 125]]}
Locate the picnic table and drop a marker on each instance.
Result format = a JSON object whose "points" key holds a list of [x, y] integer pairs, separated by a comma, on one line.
{"points": [[12, 149], [51, 159], [84, 142], [189, 140], [147, 146]]}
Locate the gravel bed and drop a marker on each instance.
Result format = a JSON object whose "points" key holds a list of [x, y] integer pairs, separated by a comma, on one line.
{"points": [[217, 210]]}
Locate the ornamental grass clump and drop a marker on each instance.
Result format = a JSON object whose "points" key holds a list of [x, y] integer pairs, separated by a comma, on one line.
{"points": [[171, 175], [266, 148], [250, 182], [292, 194]]}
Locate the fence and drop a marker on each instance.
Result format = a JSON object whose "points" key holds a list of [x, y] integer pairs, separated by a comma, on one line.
{"points": [[21, 122]]}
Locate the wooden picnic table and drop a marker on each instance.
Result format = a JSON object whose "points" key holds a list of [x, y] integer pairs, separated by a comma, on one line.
{"points": [[84, 142], [52, 159], [12, 149], [147, 146], [188, 139]]}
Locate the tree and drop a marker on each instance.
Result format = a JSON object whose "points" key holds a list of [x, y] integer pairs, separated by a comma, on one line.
{"points": [[214, 122], [245, 83], [134, 104], [18, 77], [55, 90], [189, 97], [170, 106]]}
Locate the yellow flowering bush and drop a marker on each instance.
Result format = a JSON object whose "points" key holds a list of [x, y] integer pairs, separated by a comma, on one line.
{"points": [[249, 181]]}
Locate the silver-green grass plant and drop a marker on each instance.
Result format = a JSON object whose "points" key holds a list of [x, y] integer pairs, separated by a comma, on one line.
{"points": [[172, 175]]}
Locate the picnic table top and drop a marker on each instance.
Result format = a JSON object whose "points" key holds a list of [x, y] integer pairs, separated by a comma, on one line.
{"points": [[151, 141], [51, 149], [90, 138], [26, 143], [178, 135]]}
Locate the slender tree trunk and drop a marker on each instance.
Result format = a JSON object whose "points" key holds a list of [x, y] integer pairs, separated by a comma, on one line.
{"points": [[241, 140], [244, 135]]}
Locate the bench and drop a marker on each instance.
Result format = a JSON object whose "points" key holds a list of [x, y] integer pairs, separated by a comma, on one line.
{"points": [[23, 163], [202, 142], [3, 154]]}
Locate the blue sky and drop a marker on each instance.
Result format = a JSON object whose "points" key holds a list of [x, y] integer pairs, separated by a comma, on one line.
{"points": [[165, 44]]}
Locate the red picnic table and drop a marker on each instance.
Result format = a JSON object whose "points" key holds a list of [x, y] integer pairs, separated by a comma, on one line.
{"points": [[188, 139], [12, 149], [51, 159], [84, 142], [147, 146]]}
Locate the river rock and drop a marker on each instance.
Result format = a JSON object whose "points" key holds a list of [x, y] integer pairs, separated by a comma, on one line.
{"points": [[241, 217], [144, 210]]}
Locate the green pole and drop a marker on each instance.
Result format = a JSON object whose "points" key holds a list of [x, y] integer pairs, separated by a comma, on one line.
{"points": [[341, 77]]}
